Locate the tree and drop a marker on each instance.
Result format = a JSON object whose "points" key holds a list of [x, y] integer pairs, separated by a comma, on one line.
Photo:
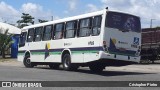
{"points": [[5, 41], [26, 20], [158, 27], [42, 21]]}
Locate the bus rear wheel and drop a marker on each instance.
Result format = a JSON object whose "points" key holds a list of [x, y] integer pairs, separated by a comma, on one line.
{"points": [[66, 63], [27, 62]]}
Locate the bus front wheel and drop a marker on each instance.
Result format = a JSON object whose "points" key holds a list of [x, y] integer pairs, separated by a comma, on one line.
{"points": [[66, 63], [27, 62]]}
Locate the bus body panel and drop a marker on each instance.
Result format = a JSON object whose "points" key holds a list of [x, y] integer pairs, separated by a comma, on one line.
{"points": [[81, 48], [122, 34]]}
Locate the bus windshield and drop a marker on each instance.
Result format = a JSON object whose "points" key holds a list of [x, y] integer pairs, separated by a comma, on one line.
{"points": [[123, 22], [22, 39]]}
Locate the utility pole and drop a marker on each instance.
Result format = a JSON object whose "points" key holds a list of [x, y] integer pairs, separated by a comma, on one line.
{"points": [[51, 18], [151, 22]]}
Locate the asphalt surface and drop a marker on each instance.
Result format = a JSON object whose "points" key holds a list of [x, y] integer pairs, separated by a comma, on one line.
{"points": [[83, 74], [17, 72]]}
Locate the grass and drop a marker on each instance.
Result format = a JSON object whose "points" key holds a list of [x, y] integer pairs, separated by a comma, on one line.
{"points": [[3, 60]]}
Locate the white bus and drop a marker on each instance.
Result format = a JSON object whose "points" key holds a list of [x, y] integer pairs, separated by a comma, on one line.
{"points": [[98, 39]]}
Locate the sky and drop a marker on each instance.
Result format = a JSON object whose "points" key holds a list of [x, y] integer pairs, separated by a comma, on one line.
{"points": [[11, 10]]}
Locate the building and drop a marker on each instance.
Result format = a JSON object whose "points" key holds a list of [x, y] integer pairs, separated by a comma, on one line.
{"points": [[150, 49], [12, 30]]}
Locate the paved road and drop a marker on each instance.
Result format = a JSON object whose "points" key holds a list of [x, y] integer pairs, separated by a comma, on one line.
{"points": [[127, 73], [84, 74]]}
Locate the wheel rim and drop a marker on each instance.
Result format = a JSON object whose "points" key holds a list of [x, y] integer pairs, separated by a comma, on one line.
{"points": [[66, 62], [28, 61]]}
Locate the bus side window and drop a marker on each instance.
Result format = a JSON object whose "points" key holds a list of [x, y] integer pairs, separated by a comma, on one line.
{"points": [[70, 29], [96, 26], [47, 33], [58, 31], [30, 36], [84, 27], [38, 33]]}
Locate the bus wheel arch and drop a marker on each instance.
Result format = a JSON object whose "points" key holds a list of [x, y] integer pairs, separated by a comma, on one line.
{"points": [[66, 61], [27, 54], [26, 61], [65, 52]]}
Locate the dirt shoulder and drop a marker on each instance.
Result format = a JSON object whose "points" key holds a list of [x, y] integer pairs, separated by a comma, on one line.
{"points": [[10, 62]]}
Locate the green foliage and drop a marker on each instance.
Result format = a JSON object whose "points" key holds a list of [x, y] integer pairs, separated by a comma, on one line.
{"points": [[42, 21], [5, 41], [158, 27], [26, 20]]}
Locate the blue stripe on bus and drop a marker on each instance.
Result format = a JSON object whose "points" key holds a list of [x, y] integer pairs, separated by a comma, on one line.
{"points": [[72, 49]]}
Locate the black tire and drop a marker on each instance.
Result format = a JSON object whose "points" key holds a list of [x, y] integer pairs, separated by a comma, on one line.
{"points": [[96, 68], [152, 61], [66, 63], [27, 62], [54, 66]]}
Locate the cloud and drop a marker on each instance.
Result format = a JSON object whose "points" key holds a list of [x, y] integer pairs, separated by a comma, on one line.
{"points": [[91, 8], [66, 12], [5, 7], [8, 13], [36, 11], [114, 3], [72, 4], [31, 8], [146, 9], [11, 15]]}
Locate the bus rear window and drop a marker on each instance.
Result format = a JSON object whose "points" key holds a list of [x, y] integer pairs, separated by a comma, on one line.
{"points": [[123, 22]]}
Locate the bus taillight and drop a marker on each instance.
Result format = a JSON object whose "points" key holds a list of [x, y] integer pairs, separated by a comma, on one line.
{"points": [[104, 43]]}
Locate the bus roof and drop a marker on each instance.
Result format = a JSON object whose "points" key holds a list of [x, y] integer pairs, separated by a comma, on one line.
{"points": [[67, 19], [70, 19]]}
